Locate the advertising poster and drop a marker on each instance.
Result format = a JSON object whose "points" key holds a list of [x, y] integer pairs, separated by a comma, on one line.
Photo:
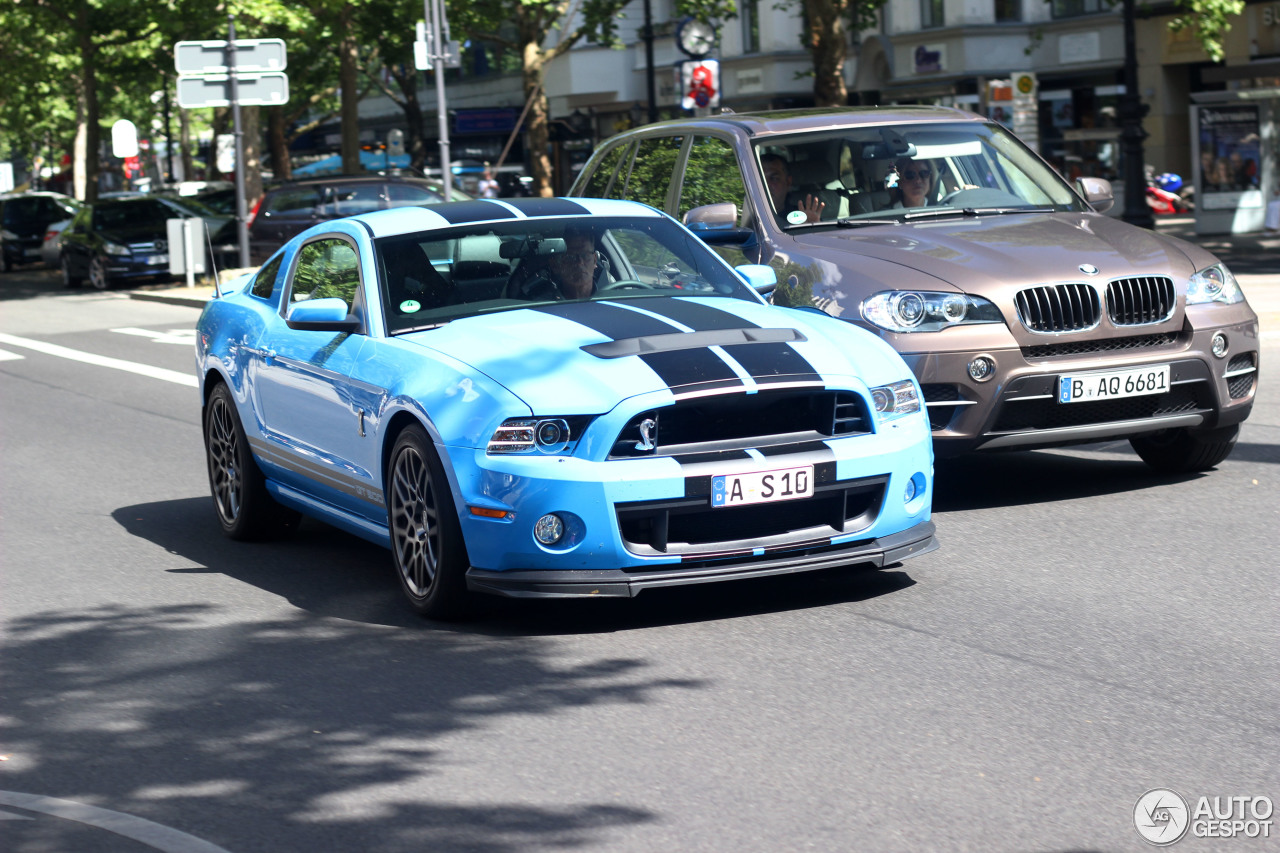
{"points": [[1230, 157]]}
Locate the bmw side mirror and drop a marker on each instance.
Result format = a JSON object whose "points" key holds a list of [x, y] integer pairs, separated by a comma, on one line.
{"points": [[1097, 191], [321, 315]]}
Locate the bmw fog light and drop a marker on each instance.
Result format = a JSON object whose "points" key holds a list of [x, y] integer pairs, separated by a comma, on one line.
{"points": [[1219, 344], [548, 529], [982, 368]]}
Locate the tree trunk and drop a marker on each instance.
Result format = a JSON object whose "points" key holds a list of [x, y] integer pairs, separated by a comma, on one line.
{"points": [[88, 167], [828, 44], [537, 121], [251, 125], [281, 165], [414, 144], [347, 70]]}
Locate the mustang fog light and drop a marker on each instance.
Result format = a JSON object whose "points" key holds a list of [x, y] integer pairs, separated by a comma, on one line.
{"points": [[1219, 344], [982, 368], [914, 491], [910, 492], [548, 529]]}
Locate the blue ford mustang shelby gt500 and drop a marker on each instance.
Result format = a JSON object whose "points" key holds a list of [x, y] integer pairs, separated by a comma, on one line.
{"points": [[554, 397]]}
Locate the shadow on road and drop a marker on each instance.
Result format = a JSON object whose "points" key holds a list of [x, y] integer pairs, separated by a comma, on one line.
{"points": [[327, 572]]}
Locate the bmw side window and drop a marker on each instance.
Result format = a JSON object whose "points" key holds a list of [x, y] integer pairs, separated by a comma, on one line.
{"points": [[711, 176], [603, 178], [655, 165], [264, 283], [326, 268]]}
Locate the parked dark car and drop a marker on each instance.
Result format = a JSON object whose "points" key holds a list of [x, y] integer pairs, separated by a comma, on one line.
{"points": [[126, 238], [1030, 318], [295, 206], [24, 219]]}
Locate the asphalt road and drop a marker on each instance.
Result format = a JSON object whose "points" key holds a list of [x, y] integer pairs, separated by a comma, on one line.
{"points": [[1086, 633]]}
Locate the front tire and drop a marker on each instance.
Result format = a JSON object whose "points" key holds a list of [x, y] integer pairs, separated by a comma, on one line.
{"points": [[1182, 451], [426, 539], [98, 273], [245, 509]]}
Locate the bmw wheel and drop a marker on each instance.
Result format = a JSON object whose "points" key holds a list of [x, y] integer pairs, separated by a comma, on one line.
{"points": [[98, 272], [1182, 451], [69, 280], [426, 539], [245, 510]]}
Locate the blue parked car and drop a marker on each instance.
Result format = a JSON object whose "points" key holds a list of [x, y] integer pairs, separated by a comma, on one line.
{"points": [[554, 397]]}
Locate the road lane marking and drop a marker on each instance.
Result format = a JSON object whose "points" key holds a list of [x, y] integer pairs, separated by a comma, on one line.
{"points": [[183, 337], [101, 360], [154, 835], [5, 355]]}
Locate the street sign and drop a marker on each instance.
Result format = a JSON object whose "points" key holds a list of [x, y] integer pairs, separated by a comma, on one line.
{"points": [[265, 90], [210, 57], [124, 139]]}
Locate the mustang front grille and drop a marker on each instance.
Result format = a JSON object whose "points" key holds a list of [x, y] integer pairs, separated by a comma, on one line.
{"points": [[733, 421], [1059, 308], [1140, 300], [692, 527]]}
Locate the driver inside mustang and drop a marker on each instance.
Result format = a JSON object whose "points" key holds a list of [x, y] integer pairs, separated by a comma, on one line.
{"points": [[574, 271]]}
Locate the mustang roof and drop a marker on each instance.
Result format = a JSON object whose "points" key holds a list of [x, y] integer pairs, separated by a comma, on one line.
{"points": [[404, 220]]}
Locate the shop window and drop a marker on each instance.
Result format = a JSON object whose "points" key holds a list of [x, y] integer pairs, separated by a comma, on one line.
{"points": [[931, 14], [750, 10]]}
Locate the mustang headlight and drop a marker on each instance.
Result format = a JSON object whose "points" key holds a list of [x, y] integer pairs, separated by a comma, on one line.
{"points": [[536, 435], [895, 400], [926, 311], [1214, 284], [114, 248]]}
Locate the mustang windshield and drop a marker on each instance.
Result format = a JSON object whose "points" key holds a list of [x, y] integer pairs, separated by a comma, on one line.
{"points": [[876, 172], [433, 277]]}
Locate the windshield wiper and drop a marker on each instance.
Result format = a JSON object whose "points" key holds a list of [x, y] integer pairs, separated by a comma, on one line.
{"points": [[851, 222], [972, 211]]}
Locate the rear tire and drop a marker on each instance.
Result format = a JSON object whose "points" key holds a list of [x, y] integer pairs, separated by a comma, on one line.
{"points": [[1182, 451], [245, 509], [69, 280], [426, 538]]}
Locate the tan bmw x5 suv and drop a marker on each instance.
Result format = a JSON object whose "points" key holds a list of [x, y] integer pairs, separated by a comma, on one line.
{"points": [[1029, 317]]}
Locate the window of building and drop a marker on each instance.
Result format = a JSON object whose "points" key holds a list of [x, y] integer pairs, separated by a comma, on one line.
{"points": [[750, 10], [1008, 10], [1074, 8], [931, 14]]}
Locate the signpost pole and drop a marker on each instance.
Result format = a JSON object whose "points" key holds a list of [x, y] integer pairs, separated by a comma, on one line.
{"points": [[434, 10], [242, 228]]}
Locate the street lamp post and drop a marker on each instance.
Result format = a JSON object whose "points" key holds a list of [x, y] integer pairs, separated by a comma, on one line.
{"points": [[648, 61], [1136, 210]]}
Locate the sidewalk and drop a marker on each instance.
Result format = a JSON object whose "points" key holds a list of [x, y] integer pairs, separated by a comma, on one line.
{"points": [[1253, 258]]}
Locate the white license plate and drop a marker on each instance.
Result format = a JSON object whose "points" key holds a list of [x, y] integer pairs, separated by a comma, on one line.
{"points": [[1113, 384], [153, 260], [758, 487]]}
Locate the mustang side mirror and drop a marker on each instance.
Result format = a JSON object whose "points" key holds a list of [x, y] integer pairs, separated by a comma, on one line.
{"points": [[762, 277], [1097, 191], [321, 315]]}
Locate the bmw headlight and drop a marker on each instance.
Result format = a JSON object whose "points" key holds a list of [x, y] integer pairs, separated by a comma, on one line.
{"points": [[536, 435], [926, 311], [1214, 284], [895, 400], [114, 248]]}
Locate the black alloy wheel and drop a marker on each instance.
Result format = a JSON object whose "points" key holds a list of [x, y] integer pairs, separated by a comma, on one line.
{"points": [[426, 539]]}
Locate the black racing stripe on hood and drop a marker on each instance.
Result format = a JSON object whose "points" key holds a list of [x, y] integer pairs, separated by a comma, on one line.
{"points": [[547, 207], [773, 362], [462, 212], [697, 315], [609, 320], [692, 367]]}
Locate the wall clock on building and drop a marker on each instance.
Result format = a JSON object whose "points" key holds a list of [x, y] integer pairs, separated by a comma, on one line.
{"points": [[694, 37]]}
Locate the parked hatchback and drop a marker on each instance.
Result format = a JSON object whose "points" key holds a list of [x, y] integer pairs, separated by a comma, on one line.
{"points": [[24, 220], [295, 206], [1029, 317]]}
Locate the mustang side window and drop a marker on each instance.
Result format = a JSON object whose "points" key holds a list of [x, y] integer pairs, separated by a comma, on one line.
{"points": [[326, 268], [264, 283]]}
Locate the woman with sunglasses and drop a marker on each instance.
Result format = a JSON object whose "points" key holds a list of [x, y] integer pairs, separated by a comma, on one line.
{"points": [[915, 182]]}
